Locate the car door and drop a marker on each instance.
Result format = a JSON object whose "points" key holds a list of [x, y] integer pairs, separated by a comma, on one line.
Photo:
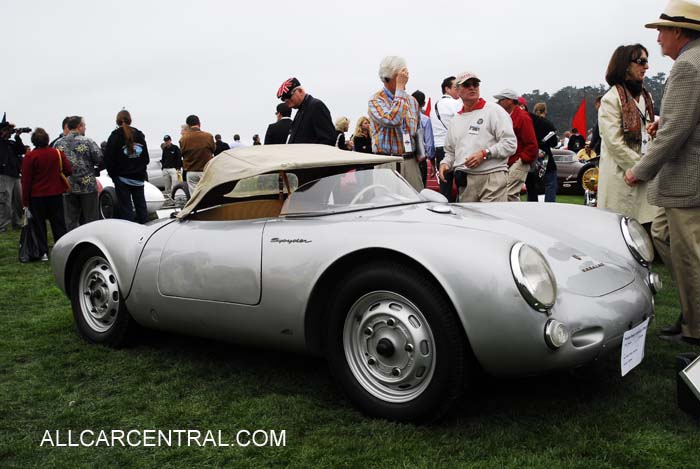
{"points": [[213, 260]]}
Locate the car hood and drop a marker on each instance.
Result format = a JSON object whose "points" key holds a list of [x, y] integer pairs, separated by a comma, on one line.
{"points": [[580, 266]]}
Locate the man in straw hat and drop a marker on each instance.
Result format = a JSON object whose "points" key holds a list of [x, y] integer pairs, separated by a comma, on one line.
{"points": [[672, 163]]}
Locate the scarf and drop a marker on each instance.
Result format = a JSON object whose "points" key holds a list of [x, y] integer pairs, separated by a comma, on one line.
{"points": [[632, 121]]}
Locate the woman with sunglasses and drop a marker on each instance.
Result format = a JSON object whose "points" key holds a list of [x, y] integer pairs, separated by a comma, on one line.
{"points": [[625, 111]]}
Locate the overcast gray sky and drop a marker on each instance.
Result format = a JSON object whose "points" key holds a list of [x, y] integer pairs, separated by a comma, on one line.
{"points": [[224, 61]]}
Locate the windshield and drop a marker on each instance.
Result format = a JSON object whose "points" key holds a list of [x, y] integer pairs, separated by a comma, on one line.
{"points": [[354, 190]]}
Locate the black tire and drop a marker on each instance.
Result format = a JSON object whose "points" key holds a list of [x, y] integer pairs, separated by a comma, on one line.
{"points": [[109, 204], [176, 194], [96, 299], [579, 178], [431, 374]]}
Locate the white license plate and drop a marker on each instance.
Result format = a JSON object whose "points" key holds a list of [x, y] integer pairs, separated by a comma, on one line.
{"points": [[632, 352]]}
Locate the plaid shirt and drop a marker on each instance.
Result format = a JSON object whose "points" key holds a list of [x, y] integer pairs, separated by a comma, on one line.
{"points": [[392, 115]]}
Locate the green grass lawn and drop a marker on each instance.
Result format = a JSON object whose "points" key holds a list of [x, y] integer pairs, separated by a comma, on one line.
{"points": [[51, 380]]}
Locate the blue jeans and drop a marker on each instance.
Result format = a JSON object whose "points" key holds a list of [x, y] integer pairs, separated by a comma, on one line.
{"points": [[550, 185], [127, 193]]}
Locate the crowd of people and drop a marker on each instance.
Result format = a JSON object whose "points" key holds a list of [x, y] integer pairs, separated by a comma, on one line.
{"points": [[649, 168]]}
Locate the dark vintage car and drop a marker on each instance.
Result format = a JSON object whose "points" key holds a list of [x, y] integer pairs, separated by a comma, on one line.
{"points": [[570, 171]]}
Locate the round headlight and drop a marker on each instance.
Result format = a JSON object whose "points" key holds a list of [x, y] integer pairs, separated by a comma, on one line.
{"points": [[533, 276], [637, 240]]}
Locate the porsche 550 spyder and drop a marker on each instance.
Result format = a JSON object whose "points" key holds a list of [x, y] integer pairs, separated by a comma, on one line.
{"points": [[310, 248]]}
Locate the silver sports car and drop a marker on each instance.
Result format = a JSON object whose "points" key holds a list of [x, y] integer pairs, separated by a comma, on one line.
{"points": [[310, 248]]}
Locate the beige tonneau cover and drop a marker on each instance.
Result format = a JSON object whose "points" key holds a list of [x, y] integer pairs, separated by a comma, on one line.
{"points": [[242, 163]]}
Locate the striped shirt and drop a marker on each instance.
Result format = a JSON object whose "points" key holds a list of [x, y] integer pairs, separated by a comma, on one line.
{"points": [[391, 116]]}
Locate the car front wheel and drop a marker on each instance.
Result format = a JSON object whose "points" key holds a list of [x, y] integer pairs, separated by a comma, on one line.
{"points": [[395, 344], [98, 307]]}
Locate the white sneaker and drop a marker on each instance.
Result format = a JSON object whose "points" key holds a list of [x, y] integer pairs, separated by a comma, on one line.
{"points": [[45, 257]]}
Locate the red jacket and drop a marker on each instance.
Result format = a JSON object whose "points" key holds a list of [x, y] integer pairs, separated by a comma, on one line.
{"points": [[525, 133], [40, 174]]}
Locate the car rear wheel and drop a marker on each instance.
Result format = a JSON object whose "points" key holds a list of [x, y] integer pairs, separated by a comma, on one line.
{"points": [[395, 344], [98, 307], [109, 204]]}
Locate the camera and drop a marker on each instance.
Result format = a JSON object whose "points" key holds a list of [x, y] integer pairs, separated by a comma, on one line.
{"points": [[23, 130]]}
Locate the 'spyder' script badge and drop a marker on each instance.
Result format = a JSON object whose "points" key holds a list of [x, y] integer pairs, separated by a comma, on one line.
{"points": [[289, 241]]}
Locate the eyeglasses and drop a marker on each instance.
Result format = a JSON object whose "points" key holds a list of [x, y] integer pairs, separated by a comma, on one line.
{"points": [[641, 61], [470, 84]]}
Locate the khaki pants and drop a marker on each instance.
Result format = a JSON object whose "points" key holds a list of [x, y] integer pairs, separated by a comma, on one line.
{"points": [[683, 260], [169, 179], [411, 173], [517, 173], [193, 178], [489, 187]]}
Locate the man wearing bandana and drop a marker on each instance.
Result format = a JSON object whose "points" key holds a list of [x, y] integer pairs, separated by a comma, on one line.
{"points": [[479, 142], [312, 122]]}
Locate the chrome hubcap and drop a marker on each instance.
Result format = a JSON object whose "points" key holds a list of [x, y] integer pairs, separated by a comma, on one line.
{"points": [[389, 346], [99, 299]]}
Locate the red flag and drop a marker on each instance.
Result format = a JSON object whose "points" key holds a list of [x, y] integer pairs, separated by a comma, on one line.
{"points": [[579, 121], [427, 108]]}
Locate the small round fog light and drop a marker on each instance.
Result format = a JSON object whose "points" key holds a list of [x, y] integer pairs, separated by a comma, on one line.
{"points": [[655, 282], [555, 334]]}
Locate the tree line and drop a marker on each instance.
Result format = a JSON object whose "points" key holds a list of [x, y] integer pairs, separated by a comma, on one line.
{"points": [[562, 105]]}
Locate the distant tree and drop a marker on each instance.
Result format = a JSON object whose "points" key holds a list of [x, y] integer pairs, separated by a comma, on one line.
{"points": [[563, 104], [655, 85]]}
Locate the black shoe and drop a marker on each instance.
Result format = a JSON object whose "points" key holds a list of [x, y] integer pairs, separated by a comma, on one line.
{"points": [[674, 328], [678, 338]]}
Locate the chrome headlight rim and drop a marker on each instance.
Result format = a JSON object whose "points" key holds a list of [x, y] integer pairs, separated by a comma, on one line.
{"points": [[632, 245], [522, 284]]}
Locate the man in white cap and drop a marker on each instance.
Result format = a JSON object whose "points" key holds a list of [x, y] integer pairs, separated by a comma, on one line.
{"points": [[478, 143], [526, 153], [672, 162]]}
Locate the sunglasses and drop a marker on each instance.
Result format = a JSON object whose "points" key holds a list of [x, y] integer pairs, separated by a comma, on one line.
{"points": [[470, 84], [641, 61]]}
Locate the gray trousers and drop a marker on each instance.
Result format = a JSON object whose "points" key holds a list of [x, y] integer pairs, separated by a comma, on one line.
{"points": [[676, 234], [10, 201], [80, 209]]}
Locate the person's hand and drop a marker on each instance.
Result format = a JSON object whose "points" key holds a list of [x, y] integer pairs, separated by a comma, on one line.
{"points": [[474, 160], [443, 170], [431, 170], [630, 179], [402, 79], [652, 127]]}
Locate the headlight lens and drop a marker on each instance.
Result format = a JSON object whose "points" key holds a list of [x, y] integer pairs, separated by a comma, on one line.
{"points": [[533, 276], [637, 240]]}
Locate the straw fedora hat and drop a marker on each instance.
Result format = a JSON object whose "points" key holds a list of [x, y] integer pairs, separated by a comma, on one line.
{"points": [[679, 14]]}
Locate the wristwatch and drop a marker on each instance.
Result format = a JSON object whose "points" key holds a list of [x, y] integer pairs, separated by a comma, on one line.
{"points": [[487, 154]]}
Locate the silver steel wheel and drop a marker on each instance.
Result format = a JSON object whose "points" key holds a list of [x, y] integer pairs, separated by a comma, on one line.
{"points": [[99, 294], [389, 346]]}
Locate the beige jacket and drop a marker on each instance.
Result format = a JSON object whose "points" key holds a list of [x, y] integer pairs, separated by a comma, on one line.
{"points": [[673, 161], [616, 157]]}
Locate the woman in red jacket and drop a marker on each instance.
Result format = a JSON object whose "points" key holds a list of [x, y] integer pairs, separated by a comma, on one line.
{"points": [[43, 184]]}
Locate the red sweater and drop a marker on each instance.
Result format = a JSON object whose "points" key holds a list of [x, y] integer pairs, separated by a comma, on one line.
{"points": [[525, 133], [40, 174]]}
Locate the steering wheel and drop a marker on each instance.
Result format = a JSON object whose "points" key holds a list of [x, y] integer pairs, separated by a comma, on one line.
{"points": [[364, 191]]}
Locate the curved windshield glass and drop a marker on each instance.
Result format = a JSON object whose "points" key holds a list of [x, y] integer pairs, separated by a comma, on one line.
{"points": [[354, 190]]}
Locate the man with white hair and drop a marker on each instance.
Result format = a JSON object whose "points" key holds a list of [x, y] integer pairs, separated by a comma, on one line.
{"points": [[479, 141], [395, 119], [671, 163]]}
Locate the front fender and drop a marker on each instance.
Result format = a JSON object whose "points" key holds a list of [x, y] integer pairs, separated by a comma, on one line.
{"points": [[121, 242]]}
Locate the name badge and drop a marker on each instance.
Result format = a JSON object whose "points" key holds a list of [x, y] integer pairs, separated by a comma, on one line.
{"points": [[474, 130], [407, 147]]}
